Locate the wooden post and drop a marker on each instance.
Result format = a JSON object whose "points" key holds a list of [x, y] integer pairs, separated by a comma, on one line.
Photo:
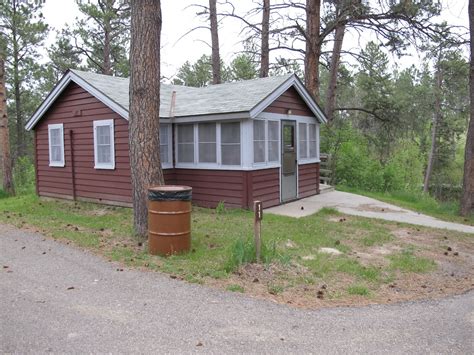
{"points": [[73, 173], [258, 209]]}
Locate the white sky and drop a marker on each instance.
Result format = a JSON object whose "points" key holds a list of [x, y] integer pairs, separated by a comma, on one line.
{"points": [[179, 18]]}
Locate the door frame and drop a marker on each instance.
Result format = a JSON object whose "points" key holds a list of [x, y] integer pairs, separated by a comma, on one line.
{"points": [[282, 121]]}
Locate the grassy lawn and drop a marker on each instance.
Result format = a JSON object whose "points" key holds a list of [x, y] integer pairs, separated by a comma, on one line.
{"points": [[371, 257], [447, 211]]}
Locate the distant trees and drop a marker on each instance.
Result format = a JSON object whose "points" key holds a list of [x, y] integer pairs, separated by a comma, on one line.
{"points": [[23, 32]]}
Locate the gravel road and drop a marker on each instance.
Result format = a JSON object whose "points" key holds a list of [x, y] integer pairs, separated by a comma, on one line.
{"points": [[57, 298]]}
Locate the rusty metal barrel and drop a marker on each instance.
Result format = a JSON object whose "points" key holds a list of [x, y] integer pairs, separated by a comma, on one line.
{"points": [[169, 219]]}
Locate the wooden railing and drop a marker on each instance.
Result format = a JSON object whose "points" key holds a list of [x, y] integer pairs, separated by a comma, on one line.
{"points": [[325, 172]]}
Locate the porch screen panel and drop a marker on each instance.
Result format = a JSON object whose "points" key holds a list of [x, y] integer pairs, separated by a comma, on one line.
{"points": [[186, 143], [312, 140], [207, 142], [164, 139], [258, 141], [230, 143], [273, 141], [303, 140]]}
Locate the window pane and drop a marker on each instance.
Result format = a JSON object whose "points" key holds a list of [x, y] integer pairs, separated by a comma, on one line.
{"points": [[207, 142], [230, 132], [56, 153], [186, 153], [303, 150], [273, 151], [186, 133], [164, 153], [55, 136], [259, 151], [103, 134], [230, 143], [258, 130], [207, 152], [273, 130], [164, 130], [231, 154], [103, 154], [312, 132]]}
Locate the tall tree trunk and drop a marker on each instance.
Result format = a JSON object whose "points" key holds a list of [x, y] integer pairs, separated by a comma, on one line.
{"points": [[216, 60], [434, 128], [265, 47], [467, 199], [335, 60], [20, 141], [144, 106], [313, 47], [4, 134], [107, 68]]}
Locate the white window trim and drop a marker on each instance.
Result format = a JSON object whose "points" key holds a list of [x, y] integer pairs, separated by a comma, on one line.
{"points": [[110, 124], [169, 164], [59, 164]]}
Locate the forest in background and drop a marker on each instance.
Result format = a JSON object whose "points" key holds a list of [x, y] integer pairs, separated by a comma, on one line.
{"points": [[389, 129]]}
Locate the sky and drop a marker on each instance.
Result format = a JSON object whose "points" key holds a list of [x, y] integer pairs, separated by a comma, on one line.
{"points": [[179, 17]]}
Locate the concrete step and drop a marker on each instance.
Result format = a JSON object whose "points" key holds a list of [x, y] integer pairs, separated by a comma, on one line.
{"points": [[324, 188]]}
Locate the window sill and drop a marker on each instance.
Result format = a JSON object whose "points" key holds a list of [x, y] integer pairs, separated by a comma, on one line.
{"points": [[56, 165], [104, 167], [308, 161]]}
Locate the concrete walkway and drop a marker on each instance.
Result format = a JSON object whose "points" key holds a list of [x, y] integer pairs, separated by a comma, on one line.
{"points": [[362, 206], [59, 299]]}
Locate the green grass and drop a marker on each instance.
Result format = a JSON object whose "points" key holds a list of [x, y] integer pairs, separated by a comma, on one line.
{"points": [[419, 202], [357, 289], [222, 240], [406, 261]]}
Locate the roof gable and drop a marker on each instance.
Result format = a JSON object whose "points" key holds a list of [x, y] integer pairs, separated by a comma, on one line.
{"points": [[250, 96]]}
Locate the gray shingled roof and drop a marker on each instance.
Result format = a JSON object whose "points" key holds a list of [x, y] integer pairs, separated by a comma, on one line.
{"points": [[239, 96]]}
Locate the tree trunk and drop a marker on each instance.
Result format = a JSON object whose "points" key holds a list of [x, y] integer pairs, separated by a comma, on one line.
{"points": [[4, 134], [313, 47], [20, 144], [467, 199], [335, 60], [434, 128], [265, 47], [107, 68], [144, 106], [216, 60]]}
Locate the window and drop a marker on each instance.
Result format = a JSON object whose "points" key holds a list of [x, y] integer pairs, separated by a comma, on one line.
{"points": [[312, 140], [273, 142], [164, 143], [207, 142], [186, 143], [104, 151], [258, 141], [230, 143], [303, 140], [56, 144]]}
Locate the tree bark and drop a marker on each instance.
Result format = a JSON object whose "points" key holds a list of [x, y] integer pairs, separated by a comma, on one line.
{"points": [[434, 128], [265, 47], [20, 141], [107, 69], [335, 60], [8, 186], [144, 106], [313, 47], [216, 60], [467, 199]]}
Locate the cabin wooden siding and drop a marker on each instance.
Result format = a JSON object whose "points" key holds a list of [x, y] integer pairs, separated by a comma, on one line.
{"points": [[264, 185], [290, 100], [308, 180]]}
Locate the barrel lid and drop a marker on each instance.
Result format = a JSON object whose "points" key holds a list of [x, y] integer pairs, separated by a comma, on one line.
{"points": [[170, 188]]}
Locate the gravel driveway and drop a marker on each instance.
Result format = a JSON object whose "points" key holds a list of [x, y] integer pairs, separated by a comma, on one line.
{"points": [[57, 298]]}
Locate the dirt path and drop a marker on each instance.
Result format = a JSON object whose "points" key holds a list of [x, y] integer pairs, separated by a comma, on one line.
{"points": [[365, 207]]}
